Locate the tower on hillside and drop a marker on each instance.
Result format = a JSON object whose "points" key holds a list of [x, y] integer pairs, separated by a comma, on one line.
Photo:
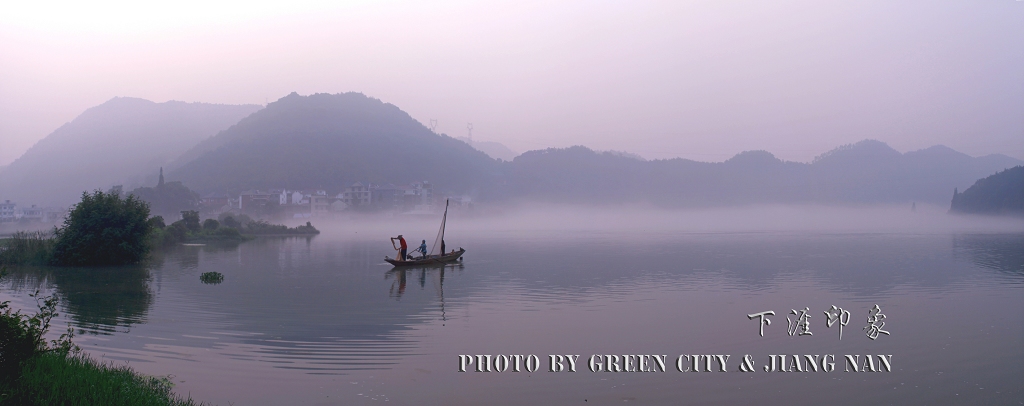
{"points": [[160, 183]]}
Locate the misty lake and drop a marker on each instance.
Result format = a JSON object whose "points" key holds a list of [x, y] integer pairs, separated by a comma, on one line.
{"points": [[324, 320]]}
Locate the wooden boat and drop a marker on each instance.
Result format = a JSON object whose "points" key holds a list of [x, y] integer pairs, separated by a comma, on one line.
{"points": [[433, 259], [429, 260]]}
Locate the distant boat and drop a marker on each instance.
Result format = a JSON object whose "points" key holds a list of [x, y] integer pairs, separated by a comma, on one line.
{"points": [[433, 259]]}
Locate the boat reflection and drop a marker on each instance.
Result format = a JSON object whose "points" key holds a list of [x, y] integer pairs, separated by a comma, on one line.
{"points": [[401, 276]]}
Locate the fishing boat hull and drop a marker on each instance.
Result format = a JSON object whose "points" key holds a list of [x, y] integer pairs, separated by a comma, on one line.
{"points": [[430, 260]]}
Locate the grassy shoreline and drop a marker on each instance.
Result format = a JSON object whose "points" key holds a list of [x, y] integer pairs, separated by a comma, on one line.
{"points": [[53, 378], [36, 372], [24, 248]]}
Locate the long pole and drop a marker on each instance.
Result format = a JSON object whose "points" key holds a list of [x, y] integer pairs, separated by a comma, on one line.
{"points": [[444, 219]]}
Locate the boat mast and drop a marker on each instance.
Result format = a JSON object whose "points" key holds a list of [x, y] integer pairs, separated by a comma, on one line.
{"points": [[444, 219]]}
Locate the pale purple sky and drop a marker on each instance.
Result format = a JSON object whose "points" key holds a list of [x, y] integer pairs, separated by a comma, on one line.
{"points": [[701, 80]]}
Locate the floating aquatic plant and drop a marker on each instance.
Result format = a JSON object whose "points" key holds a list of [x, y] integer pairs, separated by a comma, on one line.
{"points": [[211, 277]]}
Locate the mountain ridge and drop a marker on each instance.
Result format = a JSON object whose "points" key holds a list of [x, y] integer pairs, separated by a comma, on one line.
{"points": [[868, 172], [120, 141], [329, 141]]}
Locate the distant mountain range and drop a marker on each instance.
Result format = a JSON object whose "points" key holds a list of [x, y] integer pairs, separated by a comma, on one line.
{"points": [[330, 141], [866, 172], [123, 141]]}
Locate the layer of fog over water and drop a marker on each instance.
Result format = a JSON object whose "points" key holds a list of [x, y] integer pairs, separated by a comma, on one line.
{"points": [[324, 320]]}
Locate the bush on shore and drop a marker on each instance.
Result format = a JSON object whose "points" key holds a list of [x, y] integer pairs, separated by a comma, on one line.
{"points": [[103, 229], [21, 336]]}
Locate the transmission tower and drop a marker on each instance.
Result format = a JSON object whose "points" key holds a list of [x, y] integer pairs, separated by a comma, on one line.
{"points": [[470, 128], [433, 124]]}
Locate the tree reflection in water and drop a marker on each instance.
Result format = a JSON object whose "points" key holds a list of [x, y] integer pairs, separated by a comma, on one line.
{"points": [[101, 299], [98, 300]]}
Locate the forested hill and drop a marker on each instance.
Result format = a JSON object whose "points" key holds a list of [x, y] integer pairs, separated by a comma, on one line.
{"points": [[865, 172], [123, 141], [1001, 193], [329, 141]]}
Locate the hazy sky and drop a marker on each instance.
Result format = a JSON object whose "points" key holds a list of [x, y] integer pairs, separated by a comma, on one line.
{"points": [[701, 80]]}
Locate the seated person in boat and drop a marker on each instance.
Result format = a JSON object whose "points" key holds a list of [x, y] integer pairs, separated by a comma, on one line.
{"points": [[404, 247], [423, 249]]}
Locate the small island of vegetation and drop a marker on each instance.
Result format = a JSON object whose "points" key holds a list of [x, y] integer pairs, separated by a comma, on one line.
{"points": [[108, 229], [228, 229], [211, 278]]}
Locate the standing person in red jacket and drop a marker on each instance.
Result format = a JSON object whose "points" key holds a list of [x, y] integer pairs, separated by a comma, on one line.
{"points": [[404, 245]]}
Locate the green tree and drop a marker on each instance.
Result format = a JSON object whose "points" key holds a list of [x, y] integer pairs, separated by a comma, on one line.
{"points": [[191, 220], [103, 229], [177, 233], [210, 224], [157, 222], [231, 222]]}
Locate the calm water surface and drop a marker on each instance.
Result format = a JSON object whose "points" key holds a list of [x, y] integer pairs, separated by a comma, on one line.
{"points": [[325, 321]]}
